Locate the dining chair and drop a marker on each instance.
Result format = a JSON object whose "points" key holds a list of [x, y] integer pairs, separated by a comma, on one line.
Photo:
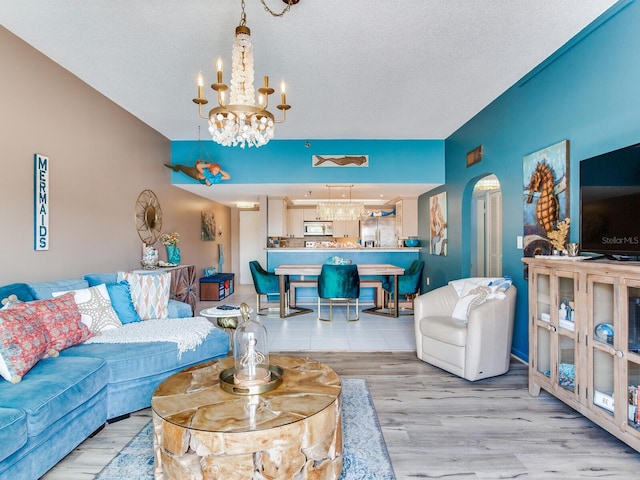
{"points": [[341, 283], [266, 284], [408, 284]]}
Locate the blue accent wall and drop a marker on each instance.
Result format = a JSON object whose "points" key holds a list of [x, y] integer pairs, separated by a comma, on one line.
{"points": [[289, 161], [588, 94]]}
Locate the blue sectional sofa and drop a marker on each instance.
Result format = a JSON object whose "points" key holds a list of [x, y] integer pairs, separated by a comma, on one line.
{"points": [[63, 400]]}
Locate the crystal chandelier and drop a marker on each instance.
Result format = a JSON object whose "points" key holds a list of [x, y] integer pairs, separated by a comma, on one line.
{"points": [[240, 121], [339, 210]]}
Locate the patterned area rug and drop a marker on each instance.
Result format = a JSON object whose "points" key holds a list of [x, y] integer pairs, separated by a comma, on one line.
{"points": [[365, 455]]}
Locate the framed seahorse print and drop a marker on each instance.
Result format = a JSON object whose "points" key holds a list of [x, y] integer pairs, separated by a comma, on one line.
{"points": [[545, 195]]}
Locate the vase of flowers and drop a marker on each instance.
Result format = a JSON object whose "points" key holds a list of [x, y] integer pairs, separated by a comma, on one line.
{"points": [[170, 241]]}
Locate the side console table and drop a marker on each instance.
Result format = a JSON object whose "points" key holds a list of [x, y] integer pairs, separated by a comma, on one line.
{"points": [[183, 283], [584, 339]]}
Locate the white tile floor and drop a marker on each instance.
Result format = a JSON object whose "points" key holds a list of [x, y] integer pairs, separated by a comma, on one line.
{"points": [[307, 333]]}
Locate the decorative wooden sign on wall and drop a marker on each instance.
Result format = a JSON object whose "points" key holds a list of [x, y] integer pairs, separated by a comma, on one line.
{"points": [[340, 160], [41, 202], [474, 156]]}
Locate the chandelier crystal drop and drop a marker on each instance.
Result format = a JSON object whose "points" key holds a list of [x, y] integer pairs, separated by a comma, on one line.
{"points": [[243, 120], [339, 210]]}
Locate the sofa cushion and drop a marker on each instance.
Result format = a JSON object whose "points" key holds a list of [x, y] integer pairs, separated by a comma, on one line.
{"points": [[53, 388], [42, 290], [179, 309], [137, 369], [20, 290], [120, 294], [445, 329], [150, 293], [23, 342], [94, 304], [61, 319], [13, 425], [132, 361]]}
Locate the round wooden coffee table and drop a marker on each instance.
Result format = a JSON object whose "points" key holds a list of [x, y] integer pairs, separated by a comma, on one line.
{"points": [[293, 431]]}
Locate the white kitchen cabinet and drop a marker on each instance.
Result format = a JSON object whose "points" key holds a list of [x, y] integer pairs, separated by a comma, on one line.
{"points": [[277, 217], [296, 219], [346, 228], [309, 214]]}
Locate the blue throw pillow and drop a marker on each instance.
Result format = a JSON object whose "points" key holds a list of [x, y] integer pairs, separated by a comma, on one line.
{"points": [[20, 290], [120, 294], [96, 279]]}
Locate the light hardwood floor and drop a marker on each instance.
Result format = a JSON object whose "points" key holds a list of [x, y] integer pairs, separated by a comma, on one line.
{"points": [[437, 425]]}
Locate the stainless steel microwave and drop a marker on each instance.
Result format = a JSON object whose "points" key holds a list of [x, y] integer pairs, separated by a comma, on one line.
{"points": [[318, 228]]}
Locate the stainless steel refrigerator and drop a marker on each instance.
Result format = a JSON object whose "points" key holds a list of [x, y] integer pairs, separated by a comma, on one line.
{"points": [[379, 230]]}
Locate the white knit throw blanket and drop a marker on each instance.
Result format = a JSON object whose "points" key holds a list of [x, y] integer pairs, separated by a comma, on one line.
{"points": [[187, 333]]}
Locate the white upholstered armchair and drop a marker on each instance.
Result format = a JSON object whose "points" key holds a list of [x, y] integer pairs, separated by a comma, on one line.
{"points": [[475, 348]]}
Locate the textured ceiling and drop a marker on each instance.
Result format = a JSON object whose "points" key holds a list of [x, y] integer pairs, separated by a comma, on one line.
{"points": [[356, 69]]}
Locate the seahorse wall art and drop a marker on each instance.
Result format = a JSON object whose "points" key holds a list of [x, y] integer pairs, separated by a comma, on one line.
{"points": [[542, 180], [545, 185]]}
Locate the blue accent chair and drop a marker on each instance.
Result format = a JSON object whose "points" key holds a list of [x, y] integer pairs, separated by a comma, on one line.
{"points": [[338, 282], [266, 284], [408, 284]]}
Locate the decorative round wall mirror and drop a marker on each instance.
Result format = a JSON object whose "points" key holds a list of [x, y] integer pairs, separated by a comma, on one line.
{"points": [[148, 217]]}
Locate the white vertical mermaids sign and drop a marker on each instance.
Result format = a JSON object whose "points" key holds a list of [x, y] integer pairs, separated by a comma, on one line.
{"points": [[41, 202]]}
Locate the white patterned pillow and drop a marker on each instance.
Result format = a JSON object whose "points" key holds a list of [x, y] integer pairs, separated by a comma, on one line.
{"points": [[474, 297], [149, 292], [95, 307]]}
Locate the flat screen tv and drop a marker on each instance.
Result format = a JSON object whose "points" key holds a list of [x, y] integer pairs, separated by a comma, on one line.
{"points": [[610, 203]]}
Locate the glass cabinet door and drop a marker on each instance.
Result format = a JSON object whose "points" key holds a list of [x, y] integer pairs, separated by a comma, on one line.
{"points": [[543, 351], [566, 302], [633, 392], [543, 298], [566, 363], [554, 331], [542, 324], [563, 314], [633, 355], [633, 326], [604, 346]]}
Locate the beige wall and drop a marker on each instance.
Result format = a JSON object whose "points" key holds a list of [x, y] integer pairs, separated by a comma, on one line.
{"points": [[101, 158]]}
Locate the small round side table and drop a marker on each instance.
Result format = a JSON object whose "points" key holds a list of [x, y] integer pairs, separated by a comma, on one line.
{"points": [[227, 318]]}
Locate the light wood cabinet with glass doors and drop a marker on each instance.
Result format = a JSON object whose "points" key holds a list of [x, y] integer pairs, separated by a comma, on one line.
{"points": [[553, 333], [584, 339]]}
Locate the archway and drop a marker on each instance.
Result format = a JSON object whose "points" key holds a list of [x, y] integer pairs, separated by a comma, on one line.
{"points": [[486, 228]]}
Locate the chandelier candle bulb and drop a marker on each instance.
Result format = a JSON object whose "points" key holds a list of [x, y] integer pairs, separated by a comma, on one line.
{"points": [[200, 84], [283, 93], [219, 69]]}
